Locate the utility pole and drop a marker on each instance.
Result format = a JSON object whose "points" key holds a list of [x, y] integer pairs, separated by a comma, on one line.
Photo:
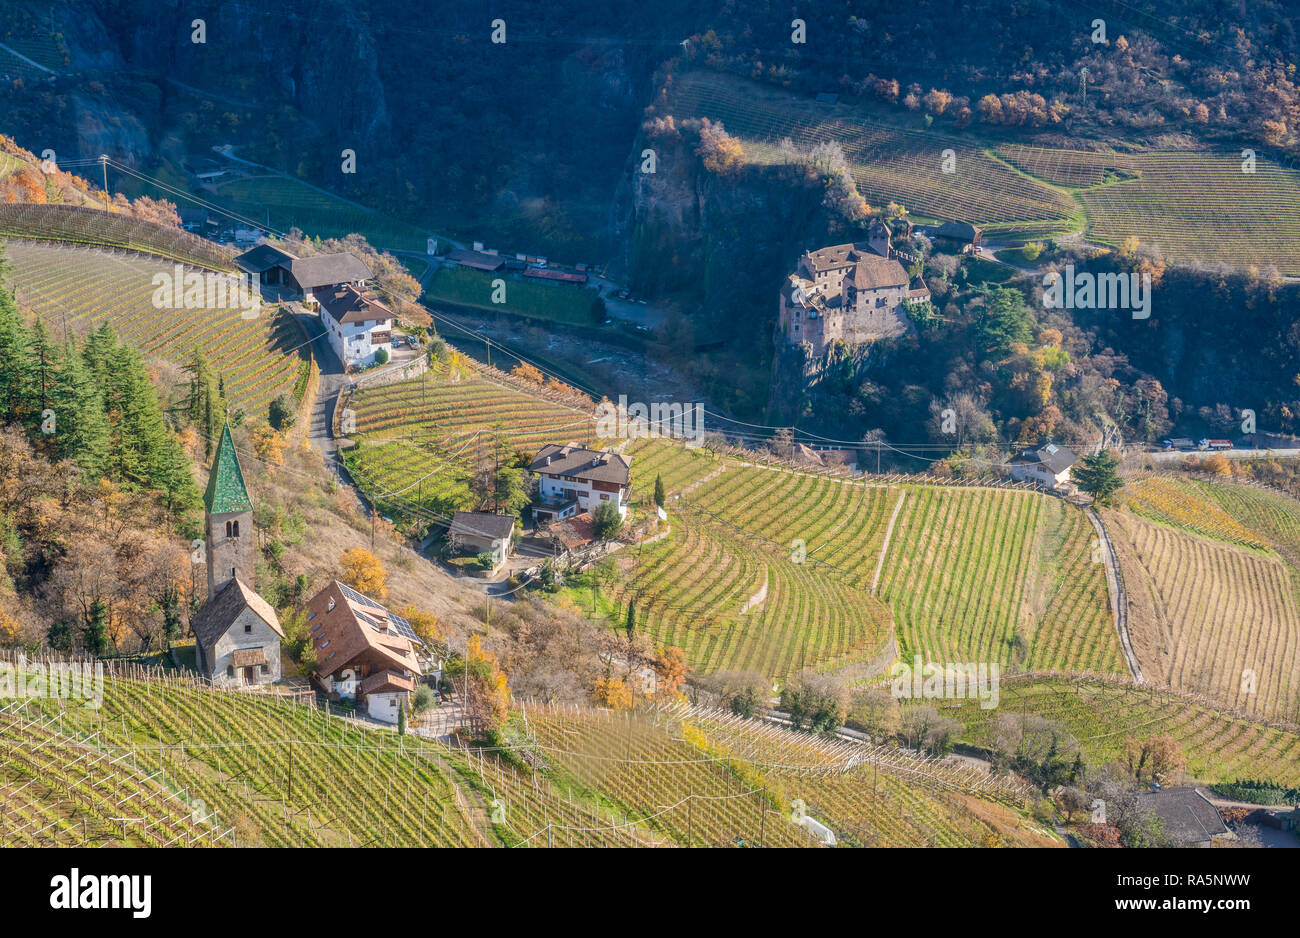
{"points": [[103, 162]]}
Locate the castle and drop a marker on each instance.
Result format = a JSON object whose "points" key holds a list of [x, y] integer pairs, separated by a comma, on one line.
{"points": [[848, 292]]}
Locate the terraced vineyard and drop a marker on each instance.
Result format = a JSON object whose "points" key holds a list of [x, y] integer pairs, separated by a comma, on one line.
{"points": [[421, 439], [970, 574], [889, 163], [1218, 745], [708, 779], [258, 358], [86, 226], [731, 601], [969, 570], [221, 766], [1185, 504], [1212, 617], [1193, 205]]}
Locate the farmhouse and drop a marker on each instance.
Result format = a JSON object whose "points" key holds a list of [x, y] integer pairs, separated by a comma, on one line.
{"points": [[363, 651], [236, 633], [482, 532], [1047, 465], [308, 276], [848, 293], [1190, 819], [357, 323], [573, 479]]}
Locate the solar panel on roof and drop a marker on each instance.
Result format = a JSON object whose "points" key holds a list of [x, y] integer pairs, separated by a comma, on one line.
{"points": [[353, 595]]}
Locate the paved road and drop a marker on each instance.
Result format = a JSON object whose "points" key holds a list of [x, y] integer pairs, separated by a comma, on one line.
{"points": [[1175, 455], [332, 381]]}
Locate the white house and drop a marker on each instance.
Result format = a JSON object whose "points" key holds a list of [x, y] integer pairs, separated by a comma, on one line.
{"points": [[573, 479], [1048, 466], [357, 324]]}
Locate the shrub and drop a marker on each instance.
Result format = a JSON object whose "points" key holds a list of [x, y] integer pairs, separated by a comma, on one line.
{"points": [[283, 414], [424, 699], [381, 356], [486, 560], [606, 521]]}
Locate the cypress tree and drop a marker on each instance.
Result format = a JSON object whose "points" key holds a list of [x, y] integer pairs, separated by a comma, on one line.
{"points": [[96, 631], [630, 625], [659, 490]]}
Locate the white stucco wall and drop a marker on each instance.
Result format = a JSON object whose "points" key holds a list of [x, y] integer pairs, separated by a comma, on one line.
{"points": [[588, 498], [221, 655]]}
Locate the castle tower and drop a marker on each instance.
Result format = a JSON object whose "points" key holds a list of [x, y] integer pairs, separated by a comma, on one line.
{"points": [[228, 514]]}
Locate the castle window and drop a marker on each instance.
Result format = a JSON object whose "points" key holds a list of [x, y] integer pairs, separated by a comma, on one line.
{"points": [[236, 524], [248, 629], [229, 530]]}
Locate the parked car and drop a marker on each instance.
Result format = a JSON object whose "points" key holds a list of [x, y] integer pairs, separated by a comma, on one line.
{"points": [[412, 341]]}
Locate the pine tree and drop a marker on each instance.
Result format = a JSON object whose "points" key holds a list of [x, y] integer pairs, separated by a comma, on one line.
{"points": [[81, 429], [15, 363], [45, 360]]}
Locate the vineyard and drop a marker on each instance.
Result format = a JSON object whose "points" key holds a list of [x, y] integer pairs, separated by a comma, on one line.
{"points": [[1214, 618], [731, 601], [988, 575], [419, 441], [1185, 504], [164, 761], [258, 358], [1101, 716], [1193, 205], [708, 778], [92, 227], [970, 574], [889, 163]]}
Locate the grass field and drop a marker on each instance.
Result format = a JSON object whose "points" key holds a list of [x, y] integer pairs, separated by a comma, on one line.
{"points": [[556, 302], [890, 163], [1218, 746], [284, 203], [258, 359]]}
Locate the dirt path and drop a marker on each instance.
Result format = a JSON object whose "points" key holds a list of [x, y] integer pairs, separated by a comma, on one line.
{"points": [[889, 533], [1118, 596]]}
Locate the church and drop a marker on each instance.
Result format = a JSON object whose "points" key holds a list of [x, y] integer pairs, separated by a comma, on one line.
{"points": [[236, 633]]}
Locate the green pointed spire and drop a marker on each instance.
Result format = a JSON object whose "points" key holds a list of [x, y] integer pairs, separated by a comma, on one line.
{"points": [[226, 492]]}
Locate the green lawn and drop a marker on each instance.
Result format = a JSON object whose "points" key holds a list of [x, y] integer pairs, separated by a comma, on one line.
{"points": [[557, 302]]}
